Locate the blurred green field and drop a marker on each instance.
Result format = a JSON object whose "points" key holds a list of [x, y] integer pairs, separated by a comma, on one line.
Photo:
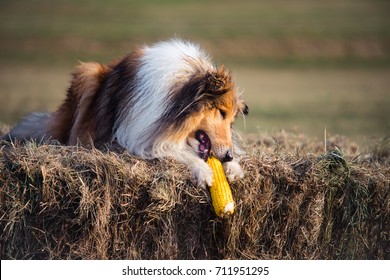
{"points": [[258, 32], [303, 65]]}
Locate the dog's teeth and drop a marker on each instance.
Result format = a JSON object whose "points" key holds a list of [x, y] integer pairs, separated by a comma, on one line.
{"points": [[204, 144]]}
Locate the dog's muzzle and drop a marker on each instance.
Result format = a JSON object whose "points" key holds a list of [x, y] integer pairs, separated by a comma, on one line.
{"points": [[204, 148]]}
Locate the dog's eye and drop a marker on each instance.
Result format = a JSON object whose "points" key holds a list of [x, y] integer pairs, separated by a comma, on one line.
{"points": [[223, 113]]}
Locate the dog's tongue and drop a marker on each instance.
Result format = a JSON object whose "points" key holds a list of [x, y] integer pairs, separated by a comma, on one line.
{"points": [[204, 144]]}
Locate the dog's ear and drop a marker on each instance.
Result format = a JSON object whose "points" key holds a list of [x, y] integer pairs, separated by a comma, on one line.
{"points": [[245, 110], [217, 82], [242, 107]]}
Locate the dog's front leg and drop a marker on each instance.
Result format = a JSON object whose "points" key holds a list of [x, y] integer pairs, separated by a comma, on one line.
{"points": [[233, 170], [201, 173]]}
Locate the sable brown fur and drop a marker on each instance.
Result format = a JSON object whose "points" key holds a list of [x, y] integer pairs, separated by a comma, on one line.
{"points": [[115, 95], [94, 101], [74, 121]]}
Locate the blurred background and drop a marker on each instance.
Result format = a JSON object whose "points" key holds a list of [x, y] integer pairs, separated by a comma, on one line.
{"points": [[303, 65]]}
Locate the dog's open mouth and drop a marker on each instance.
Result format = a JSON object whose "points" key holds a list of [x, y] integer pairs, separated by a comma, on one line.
{"points": [[204, 147]]}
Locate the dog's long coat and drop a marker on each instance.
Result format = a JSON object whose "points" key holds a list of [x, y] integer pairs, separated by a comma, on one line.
{"points": [[152, 103]]}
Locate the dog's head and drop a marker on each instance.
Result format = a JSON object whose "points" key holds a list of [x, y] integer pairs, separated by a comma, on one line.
{"points": [[208, 106]]}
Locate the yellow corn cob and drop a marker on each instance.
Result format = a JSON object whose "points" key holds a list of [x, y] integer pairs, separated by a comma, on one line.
{"points": [[221, 194]]}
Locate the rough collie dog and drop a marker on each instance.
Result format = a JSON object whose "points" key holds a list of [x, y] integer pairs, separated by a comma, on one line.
{"points": [[164, 100]]}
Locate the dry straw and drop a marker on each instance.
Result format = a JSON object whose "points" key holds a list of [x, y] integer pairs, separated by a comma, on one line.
{"points": [[295, 202]]}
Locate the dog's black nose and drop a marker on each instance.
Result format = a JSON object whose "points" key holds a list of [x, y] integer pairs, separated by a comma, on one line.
{"points": [[228, 156]]}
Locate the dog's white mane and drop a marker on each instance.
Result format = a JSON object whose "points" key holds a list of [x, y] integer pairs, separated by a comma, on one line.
{"points": [[163, 67]]}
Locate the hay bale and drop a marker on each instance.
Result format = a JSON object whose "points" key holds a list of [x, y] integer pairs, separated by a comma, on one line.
{"points": [[296, 202]]}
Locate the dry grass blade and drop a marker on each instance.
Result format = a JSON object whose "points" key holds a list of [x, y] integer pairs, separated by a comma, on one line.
{"points": [[295, 202]]}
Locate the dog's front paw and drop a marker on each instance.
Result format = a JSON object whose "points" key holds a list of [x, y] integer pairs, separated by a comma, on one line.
{"points": [[202, 175], [233, 171]]}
